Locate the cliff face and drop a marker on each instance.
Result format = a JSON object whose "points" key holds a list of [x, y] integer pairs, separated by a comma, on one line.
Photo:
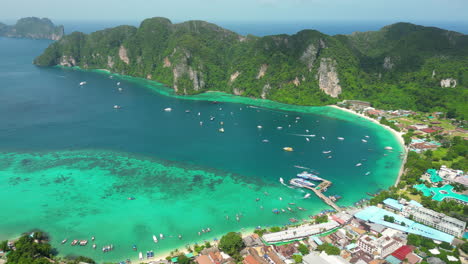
{"points": [[34, 28], [306, 68]]}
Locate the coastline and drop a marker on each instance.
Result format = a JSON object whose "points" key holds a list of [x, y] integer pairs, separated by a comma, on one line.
{"points": [[396, 134]]}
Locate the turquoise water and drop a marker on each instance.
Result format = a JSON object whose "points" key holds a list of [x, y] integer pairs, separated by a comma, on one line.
{"points": [[69, 161]]}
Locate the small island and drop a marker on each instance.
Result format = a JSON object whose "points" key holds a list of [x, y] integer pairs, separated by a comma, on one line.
{"points": [[34, 28]]}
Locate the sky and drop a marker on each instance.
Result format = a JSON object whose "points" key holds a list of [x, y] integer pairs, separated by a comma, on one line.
{"points": [[239, 10]]}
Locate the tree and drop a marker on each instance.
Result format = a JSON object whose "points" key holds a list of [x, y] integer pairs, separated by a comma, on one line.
{"points": [[297, 258], [464, 247], [182, 259], [329, 249], [232, 244], [303, 249], [321, 219]]}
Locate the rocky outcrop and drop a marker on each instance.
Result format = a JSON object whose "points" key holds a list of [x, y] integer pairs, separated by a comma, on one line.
{"points": [[311, 53], [328, 77], [262, 71], [110, 62], [265, 90], [34, 28], [388, 63], [123, 54], [67, 61], [234, 76], [237, 91], [448, 83], [184, 70], [296, 81], [167, 63]]}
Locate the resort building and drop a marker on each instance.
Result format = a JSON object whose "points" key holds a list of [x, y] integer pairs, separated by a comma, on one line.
{"points": [[376, 215], [379, 247], [453, 176], [442, 193], [356, 105], [393, 204], [437, 220]]}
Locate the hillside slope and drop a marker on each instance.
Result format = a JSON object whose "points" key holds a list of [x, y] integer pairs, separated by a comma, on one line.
{"points": [[402, 65], [32, 27]]}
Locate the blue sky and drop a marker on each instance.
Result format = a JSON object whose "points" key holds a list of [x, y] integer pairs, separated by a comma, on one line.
{"points": [[239, 10]]}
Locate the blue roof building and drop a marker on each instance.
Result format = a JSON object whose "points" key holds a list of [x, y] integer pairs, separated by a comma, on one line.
{"points": [[393, 204]]}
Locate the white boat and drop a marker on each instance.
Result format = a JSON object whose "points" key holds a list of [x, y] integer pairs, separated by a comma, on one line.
{"points": [[265, 141], [312, 135], [301, 183], [117, 107], [307, 139], [118, 83], [340, 138], [309, 176], [388, 148], [359, 164], [367, 173], [323, 138], [307, 196], [281, 198], [82, 83], [64, 241], [201, 123], [364, 141], [366, 136], [326, 152], [140, 255], [281, 180], [120, 89], [155, 239], [221, 130], [167, 109], [199, 113], [259, 127], [94, 246], [279, 128], [161, 236], [307, 130]]}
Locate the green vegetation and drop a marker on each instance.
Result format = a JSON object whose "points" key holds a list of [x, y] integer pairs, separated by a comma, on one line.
{"points": [[182, 259], [303, 249], [329, 249], [232, 244], [390, 219], [275, 229], [321, 219], [297, 258], [32, 27], [399, 66]]}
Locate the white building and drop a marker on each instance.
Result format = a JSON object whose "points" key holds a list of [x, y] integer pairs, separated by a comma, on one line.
{"points": [[434, 219], [379, 247]]}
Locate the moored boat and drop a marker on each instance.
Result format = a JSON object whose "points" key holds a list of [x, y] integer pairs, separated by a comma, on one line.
{"points": [[289, 149], [64, 241], [168, 109], [155, 239]]}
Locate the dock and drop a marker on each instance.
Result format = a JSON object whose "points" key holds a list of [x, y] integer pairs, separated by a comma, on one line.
{"points": [[322, 187]]}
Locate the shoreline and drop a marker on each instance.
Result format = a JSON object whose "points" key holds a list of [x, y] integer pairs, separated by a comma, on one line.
{"points": [[396, 134]]}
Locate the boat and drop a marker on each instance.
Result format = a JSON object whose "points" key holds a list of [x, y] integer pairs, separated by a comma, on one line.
{"points": [[187, 111], [359, 164], [64, 241], [309, 176], [388, 148], [168, 109], [307, 196], [161, 236], [291, 203], [74, 242], [312, 135], [155, 239], [367, 173], [364, 141], [83, 242], [307, 130], [259, 127], [275, 211], [265, 141], [301, 209], [279, 128], [329, 157], [307, 139], [340, 138], [140, 256], [117, 107], [180, 236], [293, 220], [94, 246], [323, 138], [130, 198], [326, 152], [221, 130], [201, 123], [366, 136], [82, 83], [93, 238], [257, 199], [282, 210], [118, 83], [120, 89], [290, 210], [288, 149], [281, 198], [281, 180], [212, 118], [301, 183]]}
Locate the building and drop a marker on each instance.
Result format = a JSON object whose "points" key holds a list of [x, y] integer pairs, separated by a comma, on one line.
{"points": [[381, 247], [299, 232], [437, 220], [393, 204], [323, 258], [451, 175], [356, 105]]}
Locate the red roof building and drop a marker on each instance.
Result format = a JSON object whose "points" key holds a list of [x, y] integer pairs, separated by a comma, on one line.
{"points": [[250, 260], [428, 130], [402, 252]]}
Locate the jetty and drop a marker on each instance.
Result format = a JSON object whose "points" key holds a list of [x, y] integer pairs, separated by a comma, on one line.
{"points": [[322, 187]]}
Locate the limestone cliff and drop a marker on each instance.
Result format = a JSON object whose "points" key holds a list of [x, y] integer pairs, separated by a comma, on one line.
{"points": [[34, 28], [328, 77]]}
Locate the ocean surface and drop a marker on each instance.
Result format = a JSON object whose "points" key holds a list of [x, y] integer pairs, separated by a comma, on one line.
{"points": [[69, 161]]}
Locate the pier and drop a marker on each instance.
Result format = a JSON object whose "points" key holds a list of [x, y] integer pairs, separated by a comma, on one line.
{"points": [[322, 187]]}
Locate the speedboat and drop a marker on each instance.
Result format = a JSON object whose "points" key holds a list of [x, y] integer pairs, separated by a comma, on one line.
{"points": [[281, 180], [161, 236], [155, 239], [388, 148], [167, 109], [359, 164], [82, 83], [364, 141], [120, 89], [301, 183], [117, 107], [265, 141], [259, 127], [279, 128], [130, 198], [64, 241], [340, 138], [309, 176], [140, 256], [367, 173], [221, 130], [94, 246], [307, 196], [323, 138], [288, 149], [307, 139], [326, 152], [118, 83]]}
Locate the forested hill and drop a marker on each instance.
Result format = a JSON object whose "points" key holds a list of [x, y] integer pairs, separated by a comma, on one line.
{"points": [[400, 66], [32, 27]]}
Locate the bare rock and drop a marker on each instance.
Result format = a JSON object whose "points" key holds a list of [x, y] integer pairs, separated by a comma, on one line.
{"points": [[67, 61], [262, 71], [265, 90], [448, 83], [110, 62], [234, 76], [167, 63], [388, 63], [328, 77], [123, 54]]}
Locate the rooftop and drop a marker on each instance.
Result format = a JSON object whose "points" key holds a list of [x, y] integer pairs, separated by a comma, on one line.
{"points": [[393, 203], [435, 178], [441, 193], [375, 215]]}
